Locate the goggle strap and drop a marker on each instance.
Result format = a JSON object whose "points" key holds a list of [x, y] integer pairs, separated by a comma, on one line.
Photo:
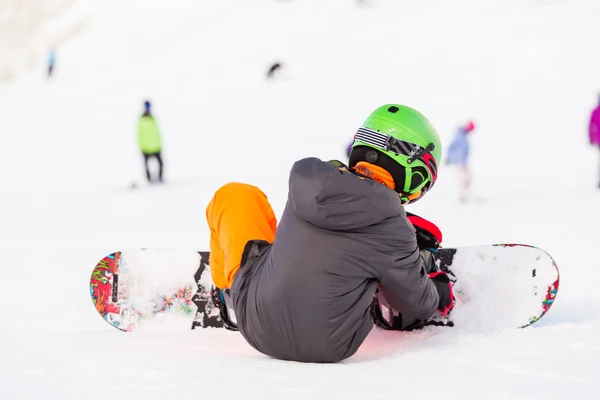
{"points": [[389, 143], [421, 153]]}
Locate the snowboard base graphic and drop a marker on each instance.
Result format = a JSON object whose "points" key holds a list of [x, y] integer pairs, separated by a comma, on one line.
{"points": [[496, 286], [155, 290]]}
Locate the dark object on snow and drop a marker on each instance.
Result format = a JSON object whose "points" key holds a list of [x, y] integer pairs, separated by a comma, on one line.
{"points": [[273, 69]]}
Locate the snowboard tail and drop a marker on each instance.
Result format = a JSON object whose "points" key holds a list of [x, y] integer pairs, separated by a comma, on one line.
{"points": [[500, 284], [128, 293]]}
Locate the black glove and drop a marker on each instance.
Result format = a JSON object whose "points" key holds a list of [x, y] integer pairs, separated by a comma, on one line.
{"points": [[444, 287]]}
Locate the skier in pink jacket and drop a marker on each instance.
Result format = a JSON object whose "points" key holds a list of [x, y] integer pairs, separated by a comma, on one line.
{"points": [[594, 128]]}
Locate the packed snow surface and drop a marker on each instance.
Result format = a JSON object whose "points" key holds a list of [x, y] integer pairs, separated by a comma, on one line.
{"points": [[525, 71]]}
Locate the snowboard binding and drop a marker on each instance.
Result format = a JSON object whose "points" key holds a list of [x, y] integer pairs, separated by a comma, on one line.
{"points": [[219, 299]]}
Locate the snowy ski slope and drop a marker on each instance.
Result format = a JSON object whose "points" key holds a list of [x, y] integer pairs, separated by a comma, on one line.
{"points": [[525, 70]]}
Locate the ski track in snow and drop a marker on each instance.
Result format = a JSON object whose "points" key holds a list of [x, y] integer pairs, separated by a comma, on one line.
{"points": [[523, 70]]}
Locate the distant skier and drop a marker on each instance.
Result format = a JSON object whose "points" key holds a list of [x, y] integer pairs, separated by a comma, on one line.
{"points": [[594, 128], [305, 289], [150, 142], [51, 62], [458, 154]]}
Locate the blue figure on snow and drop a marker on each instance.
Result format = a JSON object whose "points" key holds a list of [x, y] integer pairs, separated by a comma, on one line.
{"points": [[458, 154], [51, 62]]}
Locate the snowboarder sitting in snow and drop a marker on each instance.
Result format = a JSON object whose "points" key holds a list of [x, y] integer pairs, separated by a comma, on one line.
{"points": [[303, 290]]}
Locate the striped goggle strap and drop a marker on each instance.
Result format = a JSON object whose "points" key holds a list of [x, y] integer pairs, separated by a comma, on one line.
{"points": [[389, 143]]}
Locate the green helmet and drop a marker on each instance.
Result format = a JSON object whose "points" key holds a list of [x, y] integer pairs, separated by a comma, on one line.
{"points": [[403, 142]]}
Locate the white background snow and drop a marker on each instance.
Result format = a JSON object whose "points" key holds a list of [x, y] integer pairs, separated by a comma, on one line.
{"points": [[528, 73]]}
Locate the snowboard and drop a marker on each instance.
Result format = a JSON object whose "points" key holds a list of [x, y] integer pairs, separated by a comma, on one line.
{"points": [[496, 286]]}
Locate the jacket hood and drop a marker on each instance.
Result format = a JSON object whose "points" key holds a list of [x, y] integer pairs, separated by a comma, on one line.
{"points": [[323, 195]]}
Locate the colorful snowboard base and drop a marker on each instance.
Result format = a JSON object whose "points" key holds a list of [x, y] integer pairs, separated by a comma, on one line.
{"points": [[155, 289]]}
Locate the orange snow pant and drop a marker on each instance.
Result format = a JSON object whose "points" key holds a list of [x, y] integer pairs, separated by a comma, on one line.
{"points": [[237, 213]]}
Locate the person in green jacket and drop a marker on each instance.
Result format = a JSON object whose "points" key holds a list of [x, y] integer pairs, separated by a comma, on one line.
{"points": [[149, 141]]}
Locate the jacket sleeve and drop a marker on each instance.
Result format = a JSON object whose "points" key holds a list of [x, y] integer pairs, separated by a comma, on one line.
{"points": [[405, 283]]}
